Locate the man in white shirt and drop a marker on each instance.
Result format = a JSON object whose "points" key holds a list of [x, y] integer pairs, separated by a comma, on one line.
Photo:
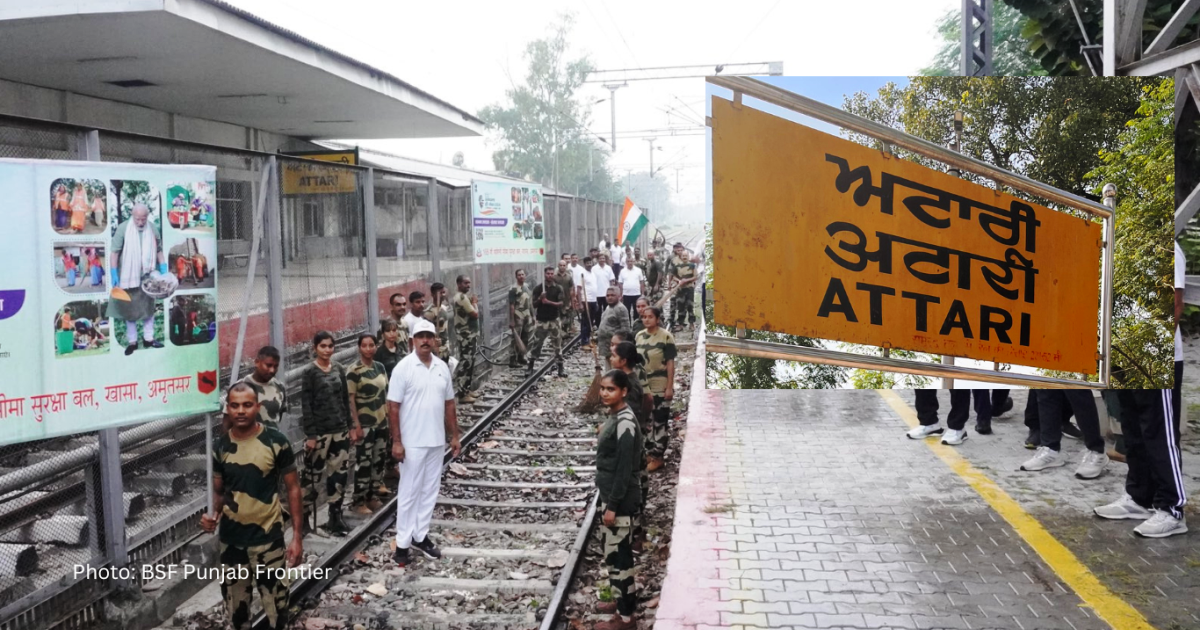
{"points": [[610, 276], [633, 284], [420, 413], [596, 290], [616, 254], [416, 304], [1154, 483]]}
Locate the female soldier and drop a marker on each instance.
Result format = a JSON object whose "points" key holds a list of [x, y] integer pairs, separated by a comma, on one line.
{"points": [[330, 426], [657, 347], [618, 451], [367, 381]]}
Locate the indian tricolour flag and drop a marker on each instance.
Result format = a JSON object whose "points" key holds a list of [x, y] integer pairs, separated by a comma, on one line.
{"points": [[632, 223]]}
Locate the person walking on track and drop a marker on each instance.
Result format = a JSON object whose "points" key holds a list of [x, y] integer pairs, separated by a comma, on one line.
{"points": [[520, 320], [657, 347], [613, 320], [683, 270], [330, 427], [399, 310], [367, 380], [271, 392], [466, 328], [389, 352], [421, 412], [618, 452], [633, 284], [548, 298], [1154, 484], [250, 464]]}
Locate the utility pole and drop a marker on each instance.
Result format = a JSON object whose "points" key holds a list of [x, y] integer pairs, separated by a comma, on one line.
{"points": [[956, 146], [677, 169], [612, 97], [651, 143], [976, 41]]}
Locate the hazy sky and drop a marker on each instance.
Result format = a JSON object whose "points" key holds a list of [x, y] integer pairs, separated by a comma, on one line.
{"points": [[469, 53]]}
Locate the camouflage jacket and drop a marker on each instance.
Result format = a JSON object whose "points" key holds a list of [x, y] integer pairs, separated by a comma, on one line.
{"points": [[522, 303], [250, 471], [272, 400], [618, 460], [439, 316], [464, 325], [656, 350], [368, 389]]}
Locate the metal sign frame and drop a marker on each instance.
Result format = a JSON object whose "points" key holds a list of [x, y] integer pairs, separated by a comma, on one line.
{"points": [[745, 86]]}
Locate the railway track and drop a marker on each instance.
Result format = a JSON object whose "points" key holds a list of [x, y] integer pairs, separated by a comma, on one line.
{"points": [[512, 517]]}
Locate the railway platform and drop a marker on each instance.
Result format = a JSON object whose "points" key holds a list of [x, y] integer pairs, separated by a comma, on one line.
{"points": [[812, 510]]}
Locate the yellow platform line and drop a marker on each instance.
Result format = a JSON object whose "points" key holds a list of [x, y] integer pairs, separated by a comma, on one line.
{"points": [[1111, 608]]}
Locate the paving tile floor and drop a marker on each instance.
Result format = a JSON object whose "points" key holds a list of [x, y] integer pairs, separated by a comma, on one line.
{"points": [[809, 509]]}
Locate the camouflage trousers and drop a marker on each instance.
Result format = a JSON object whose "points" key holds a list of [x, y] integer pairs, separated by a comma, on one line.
{"points": [[465, 373], [271, 587], [329, 460], [523, 330], [374, 453], [682, 305], [658, 436], [551, 329], [566, 320], [618, 557]]}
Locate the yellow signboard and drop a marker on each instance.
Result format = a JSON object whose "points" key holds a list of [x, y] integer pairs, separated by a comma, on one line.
{"points": [[307, 179], [821, 237]]}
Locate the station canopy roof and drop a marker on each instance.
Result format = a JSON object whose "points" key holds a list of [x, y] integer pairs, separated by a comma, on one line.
{"points": [[210, 60]]}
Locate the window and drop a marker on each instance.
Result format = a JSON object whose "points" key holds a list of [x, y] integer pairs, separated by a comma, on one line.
{"points": [[312, 219]]}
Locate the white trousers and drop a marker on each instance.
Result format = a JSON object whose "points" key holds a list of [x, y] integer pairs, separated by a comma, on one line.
{"points": [[420, 476]]}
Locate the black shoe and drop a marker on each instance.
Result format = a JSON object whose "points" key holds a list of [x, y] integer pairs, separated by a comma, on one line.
{"points": [[983, 429], [335, 525], [1033, 440], [561, 373], [153, 344], [130, 348], [1070, 430], [1004, 408], [400, 557], [428, 548]]}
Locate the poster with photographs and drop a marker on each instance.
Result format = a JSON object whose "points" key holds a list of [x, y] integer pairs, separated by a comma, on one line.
{"points": [[114, 320], [509, 222]]}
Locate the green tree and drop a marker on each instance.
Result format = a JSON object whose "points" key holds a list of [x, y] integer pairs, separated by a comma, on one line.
{"points": [[1010, 57], [546, 111], [1142, 166]]}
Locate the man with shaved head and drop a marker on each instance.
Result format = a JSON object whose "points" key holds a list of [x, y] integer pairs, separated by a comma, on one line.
{"points": [[136, 251]]}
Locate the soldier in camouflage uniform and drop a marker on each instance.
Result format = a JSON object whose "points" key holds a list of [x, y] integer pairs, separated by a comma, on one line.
{"points": [[272, 394], [438, 313], [564, 278], [548, 299], [618, 452], [520, 319], [466, 328], [367, 381], [657, 347], [655, 278], [250, 463], [330, 428], [683, 270]]}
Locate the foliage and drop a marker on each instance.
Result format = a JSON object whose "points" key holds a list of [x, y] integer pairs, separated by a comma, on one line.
{"points": [[868, 379], [1055, 40], [728, 371], [1010, 57], [1142, 167], [130, 192], [1048, 129], [546, 111]]}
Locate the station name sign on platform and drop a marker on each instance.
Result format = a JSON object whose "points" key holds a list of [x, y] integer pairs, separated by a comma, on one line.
{"points": [[308, 179], [821, 237]]}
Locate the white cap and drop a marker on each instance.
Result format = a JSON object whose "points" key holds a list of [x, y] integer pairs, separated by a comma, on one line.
{"points": [[423, 325]]}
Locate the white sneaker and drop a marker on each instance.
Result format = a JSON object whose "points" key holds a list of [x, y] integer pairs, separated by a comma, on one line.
{"points": [[1092, 465], [923, 431], [1045, 457], [954, 438], [1161, 525], [1122, 508]]}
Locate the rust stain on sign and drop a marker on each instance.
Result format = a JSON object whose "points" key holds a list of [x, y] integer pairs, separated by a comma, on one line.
{"points": [[833, 240]]}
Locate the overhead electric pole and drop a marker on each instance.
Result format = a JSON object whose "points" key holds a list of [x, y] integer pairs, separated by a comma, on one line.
{"points": [[650, 141], [612, 97], [976, 38]]}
